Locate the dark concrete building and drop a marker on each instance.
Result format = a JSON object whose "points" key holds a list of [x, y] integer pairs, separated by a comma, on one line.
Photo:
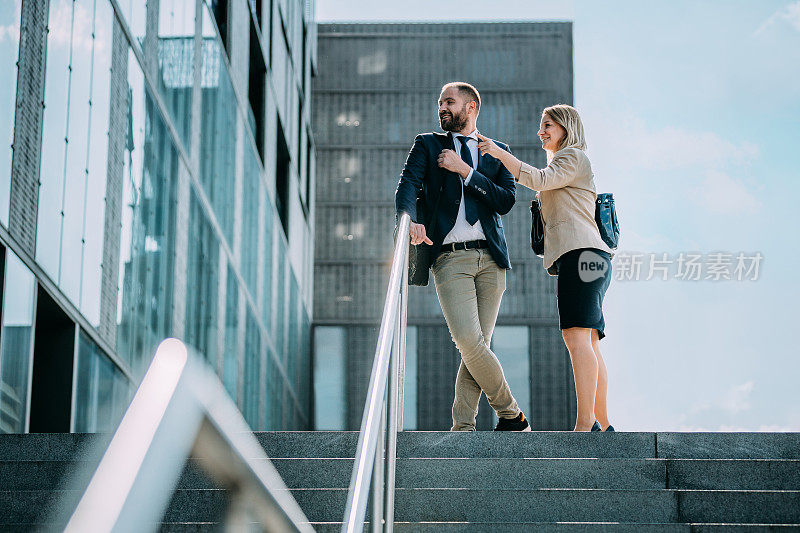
{"points": [[159, 183], [377, 87]]}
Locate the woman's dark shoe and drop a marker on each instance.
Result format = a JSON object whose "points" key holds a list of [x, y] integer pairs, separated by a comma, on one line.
{"points": [[597, 426], [520, 423], [610, 428]]}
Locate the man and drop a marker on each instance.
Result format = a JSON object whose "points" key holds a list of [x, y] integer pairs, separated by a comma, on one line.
{"points": [[468, 244]]}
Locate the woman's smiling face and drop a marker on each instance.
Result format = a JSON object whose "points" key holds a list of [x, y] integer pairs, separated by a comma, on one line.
{"points": [[551, 134]]}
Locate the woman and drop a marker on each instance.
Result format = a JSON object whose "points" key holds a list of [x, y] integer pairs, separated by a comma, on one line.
{"points": [[573, 250]]}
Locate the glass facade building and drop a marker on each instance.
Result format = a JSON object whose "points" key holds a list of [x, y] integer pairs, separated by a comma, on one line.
{"points": [[376, 89], [158, 183]]}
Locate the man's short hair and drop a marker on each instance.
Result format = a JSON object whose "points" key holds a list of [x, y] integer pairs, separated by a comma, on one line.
{"points": [[467, 91]]}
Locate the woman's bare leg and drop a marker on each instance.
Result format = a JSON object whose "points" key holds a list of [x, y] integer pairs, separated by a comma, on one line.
{"points": [[600, 407], [585, 369]]}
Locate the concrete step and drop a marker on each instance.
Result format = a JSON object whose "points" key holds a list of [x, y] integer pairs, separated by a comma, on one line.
{"points": [[492, 527], [728, 445], [428, 444], [473, 505], [525, 527], [525, 473], [546, 527], [545, 444]]}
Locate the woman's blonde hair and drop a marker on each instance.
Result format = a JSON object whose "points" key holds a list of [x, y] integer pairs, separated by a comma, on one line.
{"points": [[568, 118]]}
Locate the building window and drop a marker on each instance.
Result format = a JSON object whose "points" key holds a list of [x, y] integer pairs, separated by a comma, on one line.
{"points": [[282, 179], [510, 344], [330, 408], [221, 10], [15, 344], [309, 171], [410, 388], [255, 92], [102, 393], [230, 362]]}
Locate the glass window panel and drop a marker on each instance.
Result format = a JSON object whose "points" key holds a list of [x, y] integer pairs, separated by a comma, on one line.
{"points": [[176, 62], [252, 374], [75, 133], [510, 344], [266, 300], [135, 14], [96, 165], [54, 133], [102, 392], [269, 395], [218, 130], [275, 401], [15, 350], [150, 176], [280, 297], [410, 388], [10, 16], [252, 195], [202, 284], [330, 410], [230, 364], [292, 354], [75, 143]]}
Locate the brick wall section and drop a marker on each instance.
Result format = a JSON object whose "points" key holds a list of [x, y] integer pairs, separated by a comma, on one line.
{"points": [[117, 137], [28, 124]]}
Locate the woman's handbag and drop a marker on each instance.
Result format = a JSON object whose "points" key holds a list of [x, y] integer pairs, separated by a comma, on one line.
{"points": [[420, 256], [605, 214], [537, 228]]}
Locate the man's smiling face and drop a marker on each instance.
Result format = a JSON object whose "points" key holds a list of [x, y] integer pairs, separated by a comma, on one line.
{"points": [[452, 110]]}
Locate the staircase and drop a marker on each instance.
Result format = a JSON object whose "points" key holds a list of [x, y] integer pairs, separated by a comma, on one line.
{"points": [[481, 481]]}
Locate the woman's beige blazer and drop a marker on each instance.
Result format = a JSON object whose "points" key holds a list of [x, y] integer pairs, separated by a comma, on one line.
{"points": [[567, 202]]}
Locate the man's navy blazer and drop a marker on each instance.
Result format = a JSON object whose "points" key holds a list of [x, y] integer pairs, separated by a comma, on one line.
{"points": [[492, 185]]}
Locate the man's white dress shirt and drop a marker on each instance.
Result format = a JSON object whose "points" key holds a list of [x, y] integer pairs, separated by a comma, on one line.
{"points": [[462, 230]]}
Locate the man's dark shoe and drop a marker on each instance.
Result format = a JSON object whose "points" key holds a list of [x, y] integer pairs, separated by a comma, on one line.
{"points": [[597, 426], [520, 423]]}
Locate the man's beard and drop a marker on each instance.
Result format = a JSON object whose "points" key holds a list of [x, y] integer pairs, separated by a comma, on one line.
{"points": [[454, 123]]}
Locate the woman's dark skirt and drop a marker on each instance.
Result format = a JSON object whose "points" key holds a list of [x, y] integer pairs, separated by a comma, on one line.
{"points": [[583, 277]]}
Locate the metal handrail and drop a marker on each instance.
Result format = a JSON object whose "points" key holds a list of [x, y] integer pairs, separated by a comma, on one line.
{"points": [[181, 410], [381, 402]]}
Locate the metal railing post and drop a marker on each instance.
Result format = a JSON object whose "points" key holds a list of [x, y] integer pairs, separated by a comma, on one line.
{"points": [[378, 479], [401, 366], [394, 413]]}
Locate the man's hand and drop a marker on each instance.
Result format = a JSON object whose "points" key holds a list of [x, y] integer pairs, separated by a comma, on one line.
{"points": [[418, 235], [451, 161]]}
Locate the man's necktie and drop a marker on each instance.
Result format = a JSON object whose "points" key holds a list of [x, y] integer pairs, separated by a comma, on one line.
{"points": [[470, 205]]}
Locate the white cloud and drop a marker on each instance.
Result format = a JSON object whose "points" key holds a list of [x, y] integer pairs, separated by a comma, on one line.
{"points": [[702, 165], [721, 194], [790, 14], [733, 401], [11, 31], [737, 399], [667, 148]]}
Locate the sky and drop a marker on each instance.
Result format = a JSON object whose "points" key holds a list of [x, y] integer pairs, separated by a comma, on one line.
{"points": [[692, 117]]}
